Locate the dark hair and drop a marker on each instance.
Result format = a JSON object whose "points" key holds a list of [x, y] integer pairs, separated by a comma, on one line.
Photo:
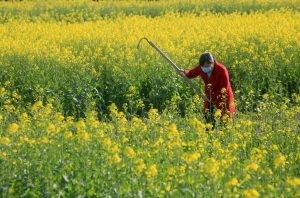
{"points": [[206, 57]]}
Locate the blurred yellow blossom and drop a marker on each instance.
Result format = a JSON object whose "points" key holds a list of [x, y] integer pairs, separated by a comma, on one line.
{"points": [[251, 193], [13, 127], [151, 171]]}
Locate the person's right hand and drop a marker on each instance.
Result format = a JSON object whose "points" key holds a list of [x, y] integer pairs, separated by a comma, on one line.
{"points": [[181, 72]]}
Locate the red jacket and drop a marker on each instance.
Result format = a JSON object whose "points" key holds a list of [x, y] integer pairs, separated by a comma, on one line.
{"points": [[218, 80]]}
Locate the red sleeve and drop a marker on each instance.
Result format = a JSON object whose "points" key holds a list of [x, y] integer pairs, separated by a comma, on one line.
{"points": [[223, 83], [193, 72]]}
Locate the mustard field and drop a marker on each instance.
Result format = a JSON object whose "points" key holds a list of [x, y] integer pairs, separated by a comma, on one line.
{"points": [[85, 113]]}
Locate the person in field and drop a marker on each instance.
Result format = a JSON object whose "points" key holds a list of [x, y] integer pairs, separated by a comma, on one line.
{"points": [[217, 87]]}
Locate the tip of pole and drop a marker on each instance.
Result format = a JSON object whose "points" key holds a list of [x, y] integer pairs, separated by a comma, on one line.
{"points": [[139, 43]]}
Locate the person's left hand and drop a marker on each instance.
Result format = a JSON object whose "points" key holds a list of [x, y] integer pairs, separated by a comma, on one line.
{"points": [[181, 72]]}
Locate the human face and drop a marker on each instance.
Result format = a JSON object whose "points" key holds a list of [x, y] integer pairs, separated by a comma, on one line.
{"points": [[207, 67], [208, 64]]}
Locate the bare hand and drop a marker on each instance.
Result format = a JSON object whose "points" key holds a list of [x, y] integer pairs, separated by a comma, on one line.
{"points": [[181, 72]]}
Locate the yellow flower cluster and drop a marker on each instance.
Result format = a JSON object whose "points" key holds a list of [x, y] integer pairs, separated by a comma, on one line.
{"points": [[156, 148], [55, 139]]}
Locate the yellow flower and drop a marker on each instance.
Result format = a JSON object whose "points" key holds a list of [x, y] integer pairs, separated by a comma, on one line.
{"points": [[284, 106], [44, 140], [4, 140], [223, 90], [232, 182], [274, 147], [173, 129], [24, 119], [107, 142], [181, 170], [13, 128], [218, 113], [51, 128], [252, 166], [48, 109], [113, 110], [114, 148], [59, 117], [247, 122], [2, 91], [37, 106], [251, 193], [151, 171], [171, 171], [84, 136], [68, 134], [190, 157], [27, 140], [24, 139], [294, 182], [211, 166], [198, 124], [153, 114], [265, 96], [209, 126], [280, 161], [168, 187], [69, 119], [129, 152], [114, 159], [80, 125], [3, 154], [140, 166]]}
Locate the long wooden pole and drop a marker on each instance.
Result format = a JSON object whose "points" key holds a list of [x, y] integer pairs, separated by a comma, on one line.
{"points": [[175, 67]]}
